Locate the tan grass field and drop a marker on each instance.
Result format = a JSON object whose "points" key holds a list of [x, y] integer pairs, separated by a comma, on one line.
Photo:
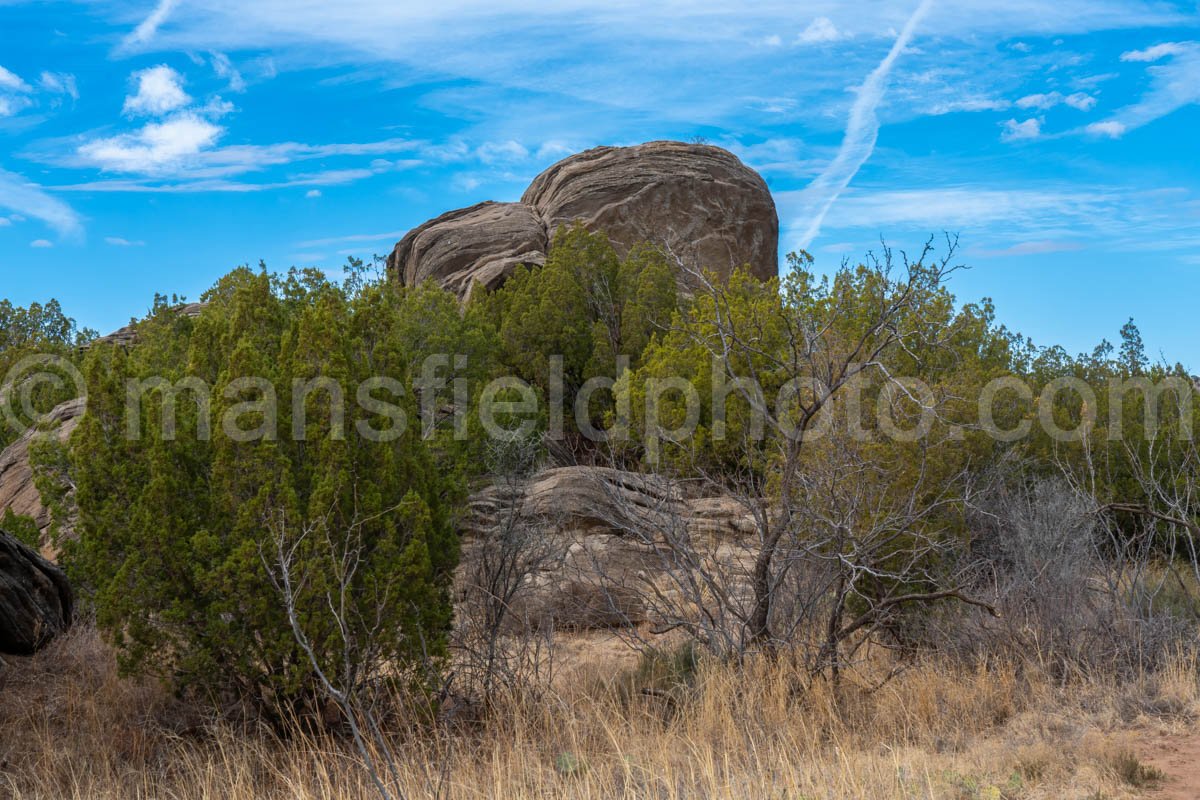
{"points": [[72, 728]]}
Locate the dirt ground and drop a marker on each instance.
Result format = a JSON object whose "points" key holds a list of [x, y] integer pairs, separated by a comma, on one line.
{"points": [[1178, 757]]}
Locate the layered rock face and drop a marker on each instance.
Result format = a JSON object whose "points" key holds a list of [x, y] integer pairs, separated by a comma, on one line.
{"points": [[17, 490], [597, 563], [35, 599], [483, 243], [699, 203]]}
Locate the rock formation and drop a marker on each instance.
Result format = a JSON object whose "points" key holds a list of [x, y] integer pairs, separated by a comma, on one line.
{"points": [[595, 572], [699, 202], [128, 335], [35, 599], [17, 490], [483, 243]]}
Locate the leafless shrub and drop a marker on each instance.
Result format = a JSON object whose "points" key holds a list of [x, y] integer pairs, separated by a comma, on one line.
{"points": [[500, 642]]}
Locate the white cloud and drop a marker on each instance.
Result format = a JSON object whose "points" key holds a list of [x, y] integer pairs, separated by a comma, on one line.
{"points": [[492, 152], [1118, 216], [1020, 47], [1079, 100], [1111, 128], [965, 104], [1033, 248], [1173, 85], [144, 32], [41, 243], [1016, 131], [12, 82], [312, 193], [774, 40], [554, 150], [157, 148], [10, 106], [820, 30], [117, 241], [59, 83], [5, 222], [180, 149], [225, 70], [25, 198], [862, 131], [159, 90], [1040, 101], [352, 238], [1157, 51]]}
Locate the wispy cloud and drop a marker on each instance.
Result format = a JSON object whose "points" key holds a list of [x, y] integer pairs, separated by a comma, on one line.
{"points": [[1173, 85], [144, 32], [12, 82], [13, 93], [1157, 51], [821, 30], [41, 243], [1112, 129], [26, 198], [862, 131], [1016, 131], [1080, 101], [59, 83], [118, 241], [225, 70], [352, 238], [1119, 217], [1034, 248]]}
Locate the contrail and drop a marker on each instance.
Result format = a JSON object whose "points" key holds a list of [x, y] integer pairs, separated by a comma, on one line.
{"points": [[145, 32], [862, 130]]}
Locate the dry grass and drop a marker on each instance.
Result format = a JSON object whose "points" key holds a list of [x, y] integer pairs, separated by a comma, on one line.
{"points": [[70, 728]]}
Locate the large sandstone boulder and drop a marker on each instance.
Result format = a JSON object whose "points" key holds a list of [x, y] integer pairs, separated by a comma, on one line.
{"points": [[17, 490], [481, 244], [592, 570], [35, 598], [698, 202]]}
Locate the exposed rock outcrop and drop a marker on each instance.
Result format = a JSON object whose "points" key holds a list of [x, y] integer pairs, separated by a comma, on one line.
{"points": [[594, 573], [17, 490], [481, 244], [36, 602], [699, 202], [128, 335]]}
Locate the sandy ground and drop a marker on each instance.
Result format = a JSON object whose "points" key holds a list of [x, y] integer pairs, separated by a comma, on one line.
{"points": [[1179, 759]]}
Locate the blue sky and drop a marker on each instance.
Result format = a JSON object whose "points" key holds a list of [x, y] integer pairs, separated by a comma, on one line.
{"points": [[153, 146]]}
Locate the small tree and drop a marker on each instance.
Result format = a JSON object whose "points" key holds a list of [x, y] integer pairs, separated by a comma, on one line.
{"points": [[863, 506], [174, 520]]}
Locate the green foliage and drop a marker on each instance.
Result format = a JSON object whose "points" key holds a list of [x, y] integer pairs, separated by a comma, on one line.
{"points": [[24, 528], [31, 331], [586, 305], [180, 528]]}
